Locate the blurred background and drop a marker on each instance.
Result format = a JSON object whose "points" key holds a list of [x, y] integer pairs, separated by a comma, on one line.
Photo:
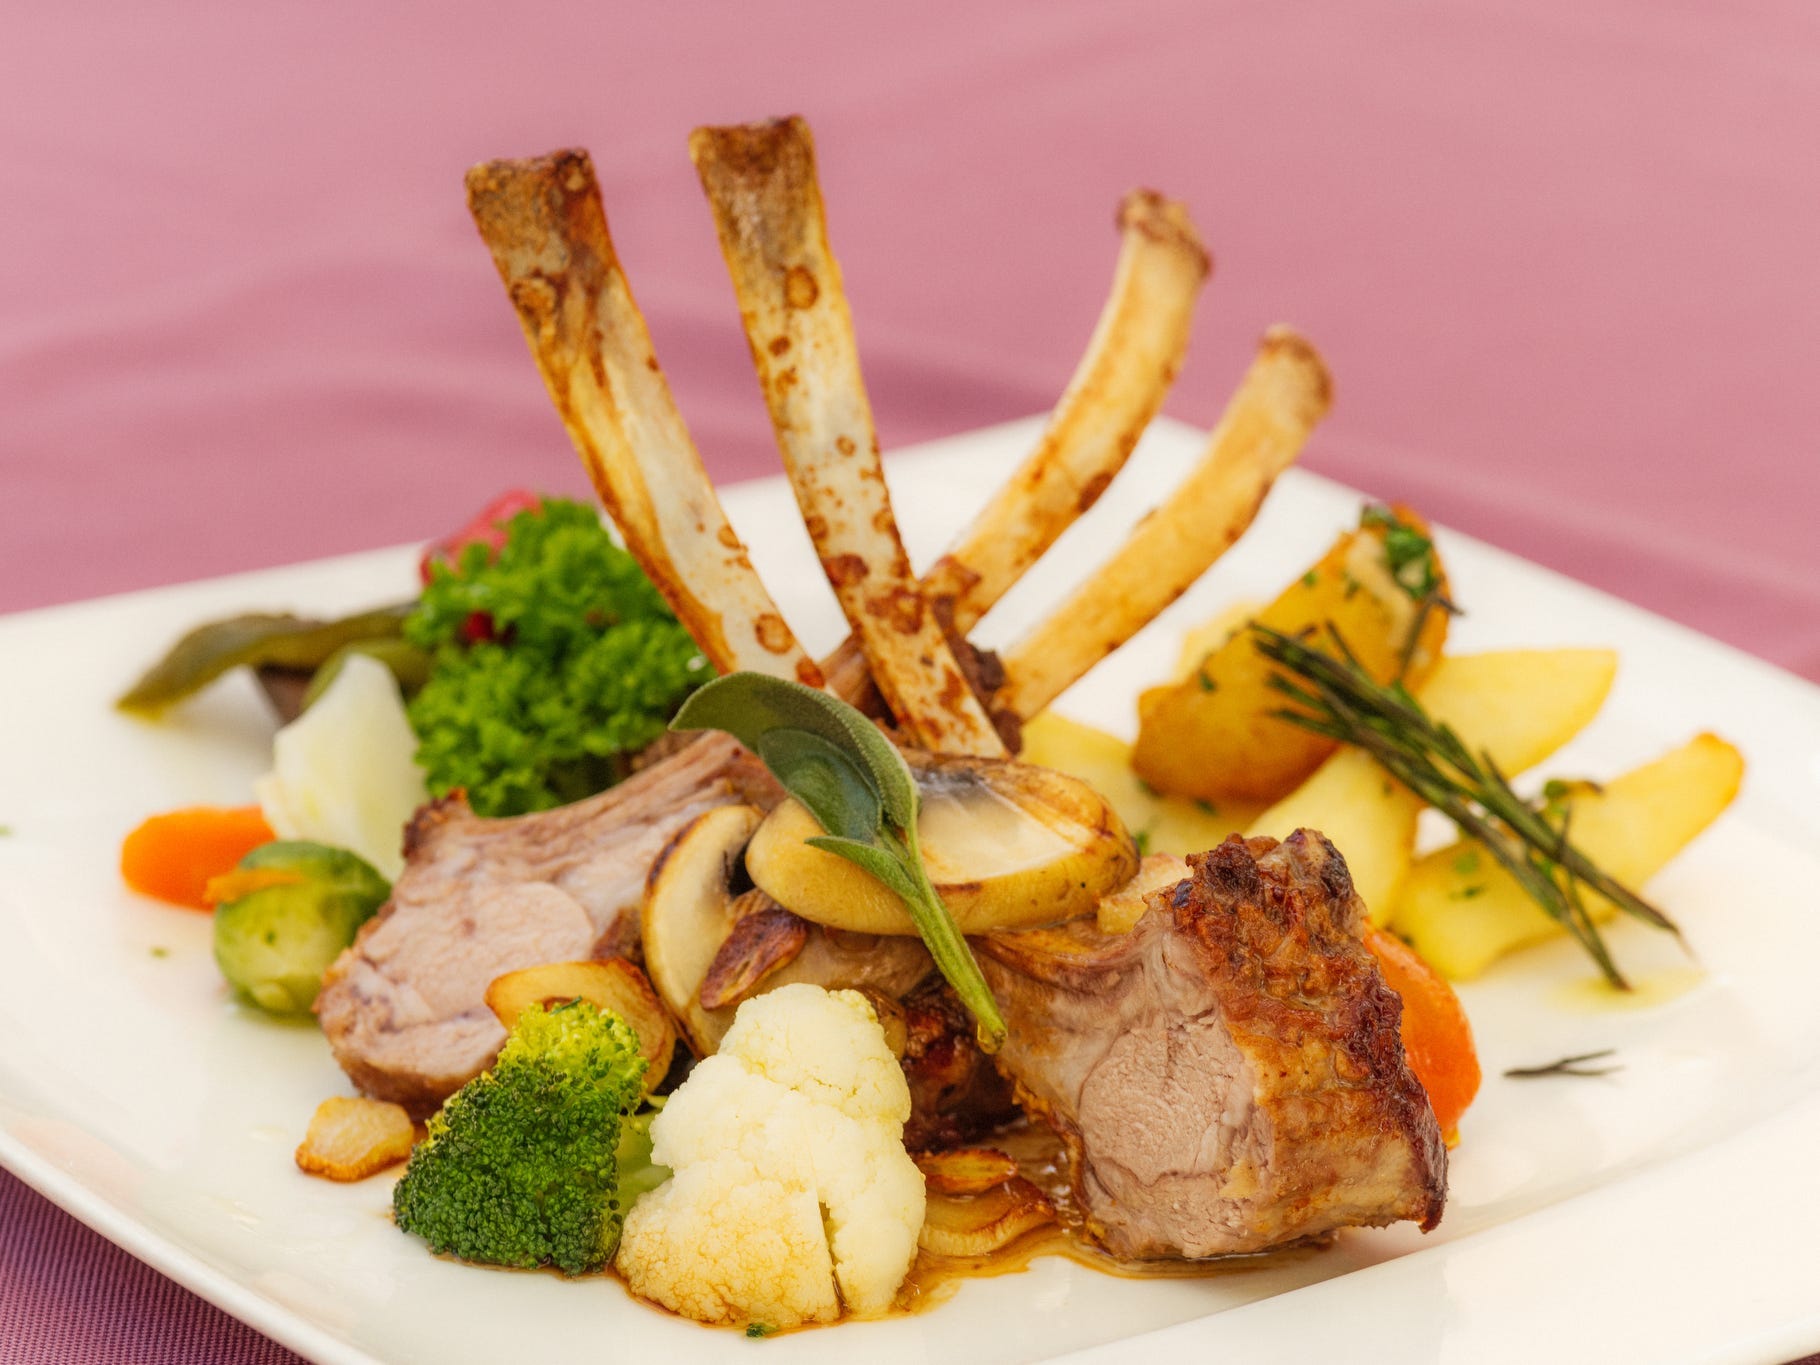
{"points": [[1558, 256]]}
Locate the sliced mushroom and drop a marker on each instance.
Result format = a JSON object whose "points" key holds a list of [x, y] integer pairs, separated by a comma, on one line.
{"points": [[614, 985], [760, 943], [688, 911], [1007, 846], [978, 1225], [965, 1170]]}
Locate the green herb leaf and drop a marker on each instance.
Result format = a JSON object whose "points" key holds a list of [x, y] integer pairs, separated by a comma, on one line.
{"points": [[1568, 1066], [856, 784], [818, 774], [210, 650], [758, 704], [881, 863]]}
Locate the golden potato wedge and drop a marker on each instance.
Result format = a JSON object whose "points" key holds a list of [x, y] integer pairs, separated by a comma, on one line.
{"points": [[1200, 641], [1462, 911], [1366, 814], [614, 985], [1216, 735], [351, 1139], [1160, 824], [1518, 705]]}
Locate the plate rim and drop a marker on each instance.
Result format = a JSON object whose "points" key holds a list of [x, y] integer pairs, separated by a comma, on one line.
{"points": [[290, 1327]]}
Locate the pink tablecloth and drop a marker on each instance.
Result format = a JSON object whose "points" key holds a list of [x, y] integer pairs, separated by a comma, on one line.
{"points": [[1559, 256]]}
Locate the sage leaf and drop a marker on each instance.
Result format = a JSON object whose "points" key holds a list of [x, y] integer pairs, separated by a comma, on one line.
{"points": [[859, 789], [879, 862], [748, 705], [819, 775]]}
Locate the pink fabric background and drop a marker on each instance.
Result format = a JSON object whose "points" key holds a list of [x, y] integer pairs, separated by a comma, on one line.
{"points": [[1559, 255]]}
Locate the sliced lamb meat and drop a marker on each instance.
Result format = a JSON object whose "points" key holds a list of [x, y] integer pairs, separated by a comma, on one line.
{"points": [[1229, 1075], [403, 1007]]}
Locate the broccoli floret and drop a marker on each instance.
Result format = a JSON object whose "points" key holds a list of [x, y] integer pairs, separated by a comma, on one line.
{"points": [[536, 1161]]}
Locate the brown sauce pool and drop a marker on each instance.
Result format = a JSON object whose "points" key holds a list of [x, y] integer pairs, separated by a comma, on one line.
{"points": [[935, 1279]]}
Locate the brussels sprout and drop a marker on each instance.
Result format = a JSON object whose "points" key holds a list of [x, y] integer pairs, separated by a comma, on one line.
{"points": [[297, 906]]}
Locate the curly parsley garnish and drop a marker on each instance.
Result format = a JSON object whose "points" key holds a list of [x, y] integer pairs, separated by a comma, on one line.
{"points": [[552, 663]]}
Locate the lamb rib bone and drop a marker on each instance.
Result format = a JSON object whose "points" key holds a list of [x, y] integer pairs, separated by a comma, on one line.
{"points": [[1265, 425], [403, 1008], [1130, 363], [761, 182], [543, 221]]}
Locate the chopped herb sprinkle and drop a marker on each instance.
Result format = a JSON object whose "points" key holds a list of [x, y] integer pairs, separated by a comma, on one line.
{"points": [[1568, 1066]]}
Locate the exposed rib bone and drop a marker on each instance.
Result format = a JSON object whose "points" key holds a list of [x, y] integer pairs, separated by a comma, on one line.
{"points": [[760, 180], [543, 221], [1118, 387], [1284, 393]]}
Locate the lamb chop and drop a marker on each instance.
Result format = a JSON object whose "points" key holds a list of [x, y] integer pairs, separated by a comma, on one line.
{"points": [[1228, 1076], [548, 234], [407, 1022]]}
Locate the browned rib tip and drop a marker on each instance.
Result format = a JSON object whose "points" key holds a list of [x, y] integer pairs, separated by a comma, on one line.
{"points": [[1163, 220], [752, 148], [1281, 340]]}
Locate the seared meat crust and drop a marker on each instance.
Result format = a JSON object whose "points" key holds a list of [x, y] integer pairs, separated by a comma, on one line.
{"points": [[1228, 1076]]}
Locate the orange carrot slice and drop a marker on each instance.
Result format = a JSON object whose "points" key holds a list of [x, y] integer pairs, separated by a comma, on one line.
{"points": [[1437, 1038], [174, 856]]}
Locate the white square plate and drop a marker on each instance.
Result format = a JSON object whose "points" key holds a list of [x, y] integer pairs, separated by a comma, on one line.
{"points": [[1665, 1213]]}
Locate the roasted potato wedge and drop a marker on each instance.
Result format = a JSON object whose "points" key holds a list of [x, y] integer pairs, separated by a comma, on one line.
{"points": [[1160, 824], [613, 985], [1215, 736], [1462, 911], [351, 1139], [1518, 705]]}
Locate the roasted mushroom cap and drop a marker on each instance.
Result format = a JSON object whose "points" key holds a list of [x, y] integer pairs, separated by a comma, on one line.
{"points": [[688, 911]]}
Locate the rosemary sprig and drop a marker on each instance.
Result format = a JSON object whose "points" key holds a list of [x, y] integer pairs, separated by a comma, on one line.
{"points": [[1568, 1066], [1337, 698]]}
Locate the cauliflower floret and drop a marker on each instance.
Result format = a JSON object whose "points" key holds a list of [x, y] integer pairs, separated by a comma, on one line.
{"points": [[792, 1194]]}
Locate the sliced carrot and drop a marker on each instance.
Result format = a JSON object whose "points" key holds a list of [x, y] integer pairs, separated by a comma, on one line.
{"points": [[175, 855], [1437, 1038], [244, 881]]}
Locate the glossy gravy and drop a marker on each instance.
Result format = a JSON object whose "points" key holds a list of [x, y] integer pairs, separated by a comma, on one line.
{"points": [[934, 1279]]}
